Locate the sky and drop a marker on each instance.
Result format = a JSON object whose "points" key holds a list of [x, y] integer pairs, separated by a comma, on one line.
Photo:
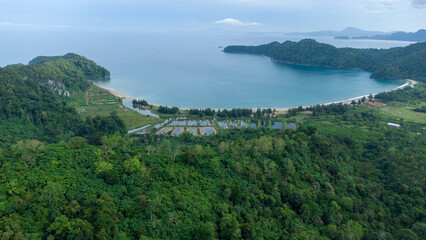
{"points": [[217, 15]]}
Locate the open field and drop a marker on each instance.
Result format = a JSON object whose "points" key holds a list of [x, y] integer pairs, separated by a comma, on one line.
{"points": [[406, 113], [401, 110], [102, 102]]}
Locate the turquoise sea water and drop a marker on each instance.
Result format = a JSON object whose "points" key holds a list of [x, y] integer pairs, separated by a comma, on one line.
{"points": [[191, 70]]}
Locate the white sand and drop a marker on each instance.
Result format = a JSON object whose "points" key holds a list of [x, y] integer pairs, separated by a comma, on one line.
{"points": [[409, 83]]}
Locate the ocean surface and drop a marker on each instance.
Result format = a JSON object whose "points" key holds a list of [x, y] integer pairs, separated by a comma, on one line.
{"points": [[190, 69]]}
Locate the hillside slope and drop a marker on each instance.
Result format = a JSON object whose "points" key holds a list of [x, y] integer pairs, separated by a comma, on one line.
{"points": [[32, 99]]}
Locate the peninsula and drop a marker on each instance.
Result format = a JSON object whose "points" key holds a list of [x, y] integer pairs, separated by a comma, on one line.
{"points": [[395, 63]]}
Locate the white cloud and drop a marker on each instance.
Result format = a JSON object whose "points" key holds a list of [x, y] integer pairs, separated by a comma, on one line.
{"points": [[382, 4], [269, 3], [419, 3], [233, 21]]}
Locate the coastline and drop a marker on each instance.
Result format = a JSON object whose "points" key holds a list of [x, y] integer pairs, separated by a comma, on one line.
{"points": [[116, 93], [408, 83]]}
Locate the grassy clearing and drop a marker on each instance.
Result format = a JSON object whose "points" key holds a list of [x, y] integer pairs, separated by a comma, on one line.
{"points": [[406, 112], [102, 102]]}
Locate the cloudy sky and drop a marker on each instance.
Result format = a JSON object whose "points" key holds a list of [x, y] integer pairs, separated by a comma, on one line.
{"points": [[245, 15]]}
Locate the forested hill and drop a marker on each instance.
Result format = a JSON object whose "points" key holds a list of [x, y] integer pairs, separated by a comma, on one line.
{"points": [[53, 58], [394, 63], [32, 101], [71, 69]]}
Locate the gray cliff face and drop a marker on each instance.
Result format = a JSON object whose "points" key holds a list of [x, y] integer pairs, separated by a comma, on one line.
{"points": [[56, 87]]}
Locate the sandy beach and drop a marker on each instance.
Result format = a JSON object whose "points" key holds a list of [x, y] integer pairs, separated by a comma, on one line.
{"points": [[117, 94], [409, 83], [124, 96], [279, 110]]}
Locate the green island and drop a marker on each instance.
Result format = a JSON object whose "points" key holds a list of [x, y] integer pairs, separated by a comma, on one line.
{"points": [[70, 169]]}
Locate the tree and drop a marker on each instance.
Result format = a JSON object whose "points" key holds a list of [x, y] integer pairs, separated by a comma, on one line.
{"points": [[106, 217], [77, 142], [103, 167], [405, 234], [229, 227], [205, 232], [26, 150], [419, 229], [166, 148], [60, 227], [353, 230], [133, 165], [53, 195]]}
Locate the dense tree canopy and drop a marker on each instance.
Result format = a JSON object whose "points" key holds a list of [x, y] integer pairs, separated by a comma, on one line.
{"points": [[404, 95], [343, 174], [250, 184], [393, 63], [30, 105]]}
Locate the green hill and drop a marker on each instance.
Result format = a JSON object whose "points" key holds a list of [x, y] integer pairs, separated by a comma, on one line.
{"points": [[67, 69], [53, 58], [393, 63], [334, 178], [33, 99]]}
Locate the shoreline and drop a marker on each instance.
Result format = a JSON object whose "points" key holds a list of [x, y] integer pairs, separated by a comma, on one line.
{"points": [[116, 93], [408, 83]]}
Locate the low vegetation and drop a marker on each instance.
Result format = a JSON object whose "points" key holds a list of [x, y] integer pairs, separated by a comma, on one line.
{"points": [[101, 102]]}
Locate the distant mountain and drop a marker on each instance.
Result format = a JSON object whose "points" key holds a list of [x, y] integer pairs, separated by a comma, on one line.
{"points": [[349, 32], [394, 63], [419, 36]]}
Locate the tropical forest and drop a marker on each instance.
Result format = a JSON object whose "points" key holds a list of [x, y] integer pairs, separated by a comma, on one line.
{"points": [[70, 169]]}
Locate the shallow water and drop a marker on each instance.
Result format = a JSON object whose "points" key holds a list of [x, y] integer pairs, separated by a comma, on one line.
{"points": [[233, 124], [139, 130], [291, 125], [188, 69], [243, 124], [178, 123], [276, 125], [192, 123], [264, 124], [192, 130], [192, 72], [223, 124], [159, 125], [204, 123], [207, 131], [164, 130], [178, 131], [128, 104]]}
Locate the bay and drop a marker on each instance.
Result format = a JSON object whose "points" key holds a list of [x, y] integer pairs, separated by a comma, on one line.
{"points": [[190, 70]]}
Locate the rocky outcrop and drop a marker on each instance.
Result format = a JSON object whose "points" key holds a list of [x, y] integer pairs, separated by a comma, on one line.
{"points": [[56, 87]]}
